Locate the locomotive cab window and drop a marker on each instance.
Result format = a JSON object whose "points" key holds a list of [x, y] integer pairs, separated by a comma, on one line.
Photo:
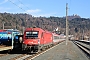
{"points": [[32, 34]]}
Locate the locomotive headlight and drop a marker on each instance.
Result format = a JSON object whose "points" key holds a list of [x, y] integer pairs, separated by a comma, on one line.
{"points": [[23, 42], [38, 41]]}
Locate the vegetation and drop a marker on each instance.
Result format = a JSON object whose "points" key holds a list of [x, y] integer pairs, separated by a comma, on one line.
{"points": [[77, 25]]}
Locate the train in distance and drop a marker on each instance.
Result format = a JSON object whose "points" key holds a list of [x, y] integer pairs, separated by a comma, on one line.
{"points": [[7, 35]]}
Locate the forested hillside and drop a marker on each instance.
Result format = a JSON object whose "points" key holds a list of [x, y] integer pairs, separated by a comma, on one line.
{"points": [[77, 25]]}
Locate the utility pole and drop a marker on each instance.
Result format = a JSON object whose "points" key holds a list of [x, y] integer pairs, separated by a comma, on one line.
{"points": [[25, 20], [83, 35], [23, 29], [66, 23], [3, 25]]}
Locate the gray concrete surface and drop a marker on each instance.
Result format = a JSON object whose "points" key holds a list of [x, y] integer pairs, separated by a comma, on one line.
{"points": [[8, 57], [63, 52]]}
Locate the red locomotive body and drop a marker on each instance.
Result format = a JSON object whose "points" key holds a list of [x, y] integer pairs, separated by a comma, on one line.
{"points": [[36, 38]]}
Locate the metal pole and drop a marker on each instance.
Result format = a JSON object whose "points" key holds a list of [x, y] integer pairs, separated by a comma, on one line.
{"points": [[3, 25], [23, 29], [66, 23], [25, 21], [12, 40]]}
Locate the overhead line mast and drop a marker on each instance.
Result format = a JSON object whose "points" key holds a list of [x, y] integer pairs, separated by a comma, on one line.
{"points": [[67, 24]]}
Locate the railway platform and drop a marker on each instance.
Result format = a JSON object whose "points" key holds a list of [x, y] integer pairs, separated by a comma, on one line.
{"points": [[63, 52], [2, 48]]}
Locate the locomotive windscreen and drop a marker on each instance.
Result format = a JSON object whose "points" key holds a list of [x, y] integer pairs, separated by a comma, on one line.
{"points": [[31, 34]]}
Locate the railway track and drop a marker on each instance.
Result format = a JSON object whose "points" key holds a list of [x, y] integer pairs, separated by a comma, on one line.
{"points": [[29, 55], [3, 55], [84, 46], [23, 55]]}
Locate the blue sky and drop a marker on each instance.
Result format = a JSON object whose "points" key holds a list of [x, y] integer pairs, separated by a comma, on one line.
{"points": [[46, 7]]}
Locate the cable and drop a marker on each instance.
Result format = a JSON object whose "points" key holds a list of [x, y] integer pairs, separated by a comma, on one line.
{"points": [[16, 5], [23, 4]]}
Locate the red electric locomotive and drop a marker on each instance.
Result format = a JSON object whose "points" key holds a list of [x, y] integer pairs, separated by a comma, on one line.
{"points": [[35, 39]]}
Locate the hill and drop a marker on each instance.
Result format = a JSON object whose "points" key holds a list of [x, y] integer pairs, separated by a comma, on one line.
{"points": [[17, 21]]}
